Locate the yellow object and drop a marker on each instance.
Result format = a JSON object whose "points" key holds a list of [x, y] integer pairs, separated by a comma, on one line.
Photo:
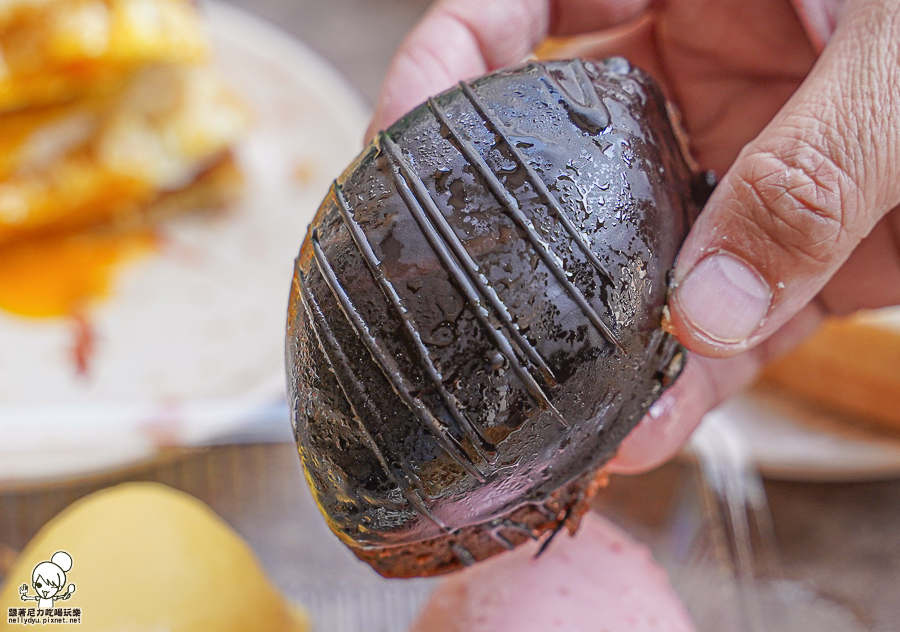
{"points": [[109, 113], [148, 558], [64, 273], [53, 50], [104, 158], [59, 274], [851, 366]]}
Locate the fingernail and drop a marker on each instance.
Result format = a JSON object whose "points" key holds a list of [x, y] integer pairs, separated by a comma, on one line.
{"points": [[724, 298]]}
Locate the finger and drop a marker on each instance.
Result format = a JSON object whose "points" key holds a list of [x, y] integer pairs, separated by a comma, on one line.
{"points": [[869, 279], [801, 196], [673, 417], [703, 385], [819, 18], [461, 39]]}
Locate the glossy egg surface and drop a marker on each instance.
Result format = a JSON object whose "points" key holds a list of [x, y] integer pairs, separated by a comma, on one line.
{"points": [[475, 319]]}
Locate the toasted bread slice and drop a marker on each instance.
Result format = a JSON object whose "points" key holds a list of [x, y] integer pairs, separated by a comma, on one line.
{"points": [[852, 365], [60, 273], [54, 50], [102, 159]]}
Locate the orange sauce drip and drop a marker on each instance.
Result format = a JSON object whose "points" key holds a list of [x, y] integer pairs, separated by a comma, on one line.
{"points": [[61, 275]]}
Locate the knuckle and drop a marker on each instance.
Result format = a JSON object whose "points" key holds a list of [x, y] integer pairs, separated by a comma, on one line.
{"points": [[798, 196]]}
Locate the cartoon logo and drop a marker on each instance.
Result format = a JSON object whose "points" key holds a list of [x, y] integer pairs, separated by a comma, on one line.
{"points": [[49, 582]]}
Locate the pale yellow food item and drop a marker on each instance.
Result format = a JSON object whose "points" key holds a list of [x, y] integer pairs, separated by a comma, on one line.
{"points": [[64, 273], [107, 158], [148, 558], [110, 117], [53, 50], [851, 366]]}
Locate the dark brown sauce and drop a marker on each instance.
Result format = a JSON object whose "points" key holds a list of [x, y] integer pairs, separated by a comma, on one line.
{"points": [[476, 317]]}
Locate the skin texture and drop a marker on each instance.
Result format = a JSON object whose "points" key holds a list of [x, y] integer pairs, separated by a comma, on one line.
{"points": [[800, 123]]}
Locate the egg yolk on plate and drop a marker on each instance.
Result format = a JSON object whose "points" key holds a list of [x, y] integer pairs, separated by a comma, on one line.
{"points": [[60, 275]]}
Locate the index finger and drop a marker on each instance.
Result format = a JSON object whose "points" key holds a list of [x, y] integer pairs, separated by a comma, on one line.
{"points": [[461, 39]]}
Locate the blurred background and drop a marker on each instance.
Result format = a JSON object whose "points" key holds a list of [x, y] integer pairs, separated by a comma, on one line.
{"points": [[358, 38], [834, 530]]}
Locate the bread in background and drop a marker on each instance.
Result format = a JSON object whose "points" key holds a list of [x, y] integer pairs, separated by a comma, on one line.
{"points": [[54, 50], [109, 157], [851, 366], [111, 118]]}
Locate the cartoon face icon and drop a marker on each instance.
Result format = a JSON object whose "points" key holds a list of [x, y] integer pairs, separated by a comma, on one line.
{"points": [[43, 586], [49, 580]]}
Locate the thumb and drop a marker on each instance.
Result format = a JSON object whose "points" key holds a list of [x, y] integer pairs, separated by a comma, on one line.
{"points": [[799, 197]]}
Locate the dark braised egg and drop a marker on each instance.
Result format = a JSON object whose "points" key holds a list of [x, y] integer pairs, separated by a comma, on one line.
{"points": [[475, 320]]}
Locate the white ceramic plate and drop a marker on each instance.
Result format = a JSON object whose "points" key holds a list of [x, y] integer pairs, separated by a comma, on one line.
{"points": [[190, 346], [792, 441]]}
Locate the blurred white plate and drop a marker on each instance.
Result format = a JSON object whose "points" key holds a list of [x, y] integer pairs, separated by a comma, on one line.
{"points": [[792, 441], [190, 346]]}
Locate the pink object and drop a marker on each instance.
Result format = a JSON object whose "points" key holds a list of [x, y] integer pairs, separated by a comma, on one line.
{"points": [[820, 18], [600, 580]]}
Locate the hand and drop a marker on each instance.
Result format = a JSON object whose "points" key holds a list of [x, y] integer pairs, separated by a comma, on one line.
{"points": [[809, 144], [23, 590]]}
